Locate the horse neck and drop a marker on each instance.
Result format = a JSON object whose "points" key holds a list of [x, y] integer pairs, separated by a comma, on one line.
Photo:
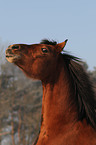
{"points": [[56, 107]]}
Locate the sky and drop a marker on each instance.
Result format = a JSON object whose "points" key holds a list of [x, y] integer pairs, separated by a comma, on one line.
{"points": [[30, 21]]}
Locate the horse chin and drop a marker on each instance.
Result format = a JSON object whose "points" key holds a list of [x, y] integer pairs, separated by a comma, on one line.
{"points": [[12, 58]]}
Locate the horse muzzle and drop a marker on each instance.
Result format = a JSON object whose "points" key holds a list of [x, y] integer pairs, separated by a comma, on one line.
{"points": [[11, 55]]}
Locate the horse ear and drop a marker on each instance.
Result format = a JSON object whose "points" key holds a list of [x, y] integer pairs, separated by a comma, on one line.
{"points": [[60, 46]]}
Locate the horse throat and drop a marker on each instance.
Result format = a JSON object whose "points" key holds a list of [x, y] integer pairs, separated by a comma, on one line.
{"points": [[57, 111]]}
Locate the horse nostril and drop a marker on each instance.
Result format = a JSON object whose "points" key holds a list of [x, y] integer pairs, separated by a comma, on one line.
{"points": [[15, 47]]}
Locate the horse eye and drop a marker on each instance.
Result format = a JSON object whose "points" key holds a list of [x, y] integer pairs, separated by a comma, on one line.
{"points": [[44, 50]]}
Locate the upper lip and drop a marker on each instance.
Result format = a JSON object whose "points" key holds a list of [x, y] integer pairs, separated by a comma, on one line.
{"points": [[8, 51]]}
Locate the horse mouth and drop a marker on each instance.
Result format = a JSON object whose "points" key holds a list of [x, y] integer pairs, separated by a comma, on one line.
{"points": [[11, 57]]}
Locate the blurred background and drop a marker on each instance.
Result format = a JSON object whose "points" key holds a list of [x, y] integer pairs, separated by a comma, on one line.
{"points": [[28, 21]]}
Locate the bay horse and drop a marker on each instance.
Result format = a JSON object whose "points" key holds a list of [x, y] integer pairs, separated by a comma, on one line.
{"points": [[68, 103]]}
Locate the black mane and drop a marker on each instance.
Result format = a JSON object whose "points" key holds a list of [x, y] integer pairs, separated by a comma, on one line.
{"points": [[48, 42], [85, 98], [84, 92]]}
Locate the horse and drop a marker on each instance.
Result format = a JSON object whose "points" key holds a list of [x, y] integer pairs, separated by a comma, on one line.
{"points": [[68, 104]]}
